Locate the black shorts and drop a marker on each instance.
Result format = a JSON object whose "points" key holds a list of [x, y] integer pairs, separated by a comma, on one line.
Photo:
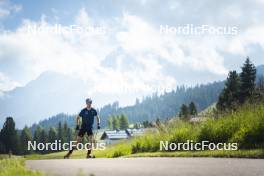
{"points": [[82, 132]]}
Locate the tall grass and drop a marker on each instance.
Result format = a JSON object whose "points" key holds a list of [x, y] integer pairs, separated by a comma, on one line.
{"points": [[15, 166], [245, 127]]}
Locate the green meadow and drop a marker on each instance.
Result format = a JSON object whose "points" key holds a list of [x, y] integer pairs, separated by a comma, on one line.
{"points": [[244, 127]]}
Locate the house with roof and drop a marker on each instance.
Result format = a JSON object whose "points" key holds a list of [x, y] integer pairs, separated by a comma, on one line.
{"points": [[134, 132], [113, 136]]}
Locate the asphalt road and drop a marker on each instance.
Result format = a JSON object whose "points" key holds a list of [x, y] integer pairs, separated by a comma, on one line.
{"points": [[151, 167]]}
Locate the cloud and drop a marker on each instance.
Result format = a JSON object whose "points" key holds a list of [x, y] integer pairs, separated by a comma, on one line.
{"points": [[6, 84], [78, 54], [7, 8], [130, 56], [143, 40]]}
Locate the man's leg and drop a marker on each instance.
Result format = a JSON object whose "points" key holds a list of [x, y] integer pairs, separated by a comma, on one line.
{"points": [[90, 142], [78, 140]]}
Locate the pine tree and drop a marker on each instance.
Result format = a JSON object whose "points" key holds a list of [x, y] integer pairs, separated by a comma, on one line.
{"points": [[60, 132], [123, 122], [2, 147], [192, 109], [69, 134], [9, 136], [17, 144], [136, 126], [184, 112], [229, 97], [43, 138], [248, 81], [115, 122], [52, 135], [66, 132], [110, 122], [37, 134], [25, 137]]}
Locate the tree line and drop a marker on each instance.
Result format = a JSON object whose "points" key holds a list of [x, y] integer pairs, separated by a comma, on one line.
{"points": [[150, 108], [118, 122], [241, 88], [166, 105], [16, 142]]}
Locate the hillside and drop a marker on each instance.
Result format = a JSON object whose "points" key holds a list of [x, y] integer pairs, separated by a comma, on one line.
{"points": [[66, 97], [158, 106], [152, 107], [168, 104], [244, 127]]}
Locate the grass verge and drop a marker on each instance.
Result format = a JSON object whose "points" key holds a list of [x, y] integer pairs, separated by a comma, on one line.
{"points": [[256, 153], [112, 153], [16, 166]]}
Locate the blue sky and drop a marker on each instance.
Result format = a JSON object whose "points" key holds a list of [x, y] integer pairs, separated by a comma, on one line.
{"points": [[131, 54]]}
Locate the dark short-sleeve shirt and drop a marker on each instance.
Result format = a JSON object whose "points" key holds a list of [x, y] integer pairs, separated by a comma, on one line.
{"points": [[87, 117]]}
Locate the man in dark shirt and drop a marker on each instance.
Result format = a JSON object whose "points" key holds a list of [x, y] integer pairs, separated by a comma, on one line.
{"points": [[87, 117]]}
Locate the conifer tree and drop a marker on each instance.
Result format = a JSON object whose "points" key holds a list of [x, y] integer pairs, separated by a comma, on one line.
{"points": [[43, 138], [123, 122], [110, 122], [37, 134], [115, 122], [248, 81], [229, 97], [184, 112], [25, 137], [192, 109], [60, 132], [9, 136]]}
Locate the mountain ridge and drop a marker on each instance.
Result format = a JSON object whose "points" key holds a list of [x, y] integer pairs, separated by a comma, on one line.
{"points": [[50, 89]]}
